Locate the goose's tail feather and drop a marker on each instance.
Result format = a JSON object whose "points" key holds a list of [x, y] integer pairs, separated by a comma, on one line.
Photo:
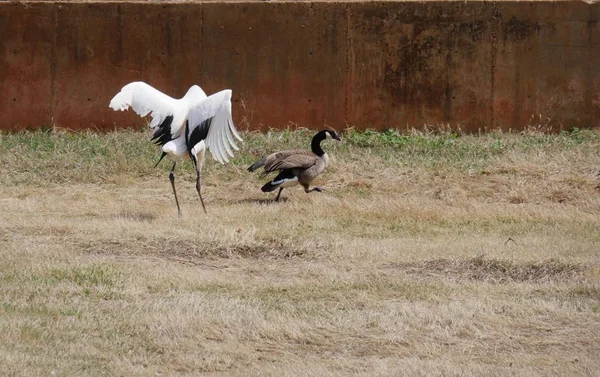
{"points": [[268, 187]]}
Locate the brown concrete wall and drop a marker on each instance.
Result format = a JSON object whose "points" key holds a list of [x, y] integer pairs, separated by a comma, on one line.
{"points": [[480, 65]]}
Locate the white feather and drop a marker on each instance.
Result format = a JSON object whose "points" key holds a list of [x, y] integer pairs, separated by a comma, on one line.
{"points": [[176, 148], [220, 138], [146, 100], [199, 147]]}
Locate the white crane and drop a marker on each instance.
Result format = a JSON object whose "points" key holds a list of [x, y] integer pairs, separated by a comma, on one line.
{"points": [[185, 127]]}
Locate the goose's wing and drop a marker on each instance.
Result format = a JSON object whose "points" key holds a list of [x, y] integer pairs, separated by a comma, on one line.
{"points": [[298, 160], [210, 120], [145, 100], [269, 160], [272, 162]]}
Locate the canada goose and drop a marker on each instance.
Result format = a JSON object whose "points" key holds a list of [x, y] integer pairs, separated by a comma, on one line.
{"points": [[296, 166], [185, 127]]}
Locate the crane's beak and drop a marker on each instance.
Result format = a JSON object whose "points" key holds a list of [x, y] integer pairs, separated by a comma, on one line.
{"points": [[160, 159]]}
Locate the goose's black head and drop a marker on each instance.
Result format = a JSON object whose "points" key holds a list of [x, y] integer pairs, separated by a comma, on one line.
{"points": [[332, 134], [326, 134], [319, 137]]}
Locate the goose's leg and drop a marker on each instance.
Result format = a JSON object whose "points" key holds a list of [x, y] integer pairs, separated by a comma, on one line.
{"points": [[306, 190], [172, 179], [278, 194]]}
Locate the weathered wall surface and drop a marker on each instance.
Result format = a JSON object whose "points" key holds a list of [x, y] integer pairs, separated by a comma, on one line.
{"points": [[477, 65]]}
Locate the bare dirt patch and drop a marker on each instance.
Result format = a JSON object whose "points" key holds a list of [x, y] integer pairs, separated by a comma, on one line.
{"points": [[494, 270], [192, 251]]}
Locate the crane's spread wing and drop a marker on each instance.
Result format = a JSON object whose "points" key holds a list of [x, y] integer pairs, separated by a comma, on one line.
{"points": [[144, 100], [210, 120]]}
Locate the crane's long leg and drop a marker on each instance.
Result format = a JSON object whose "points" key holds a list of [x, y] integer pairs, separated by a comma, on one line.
{"points": [[172, 179], [198, 189], [278, 194], [198, 167]]}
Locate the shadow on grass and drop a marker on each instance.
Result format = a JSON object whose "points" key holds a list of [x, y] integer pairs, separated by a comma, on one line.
{"points": [[262, 201]]}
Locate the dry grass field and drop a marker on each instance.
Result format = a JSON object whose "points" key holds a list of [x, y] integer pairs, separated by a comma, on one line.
{"points": [[428, 254]]}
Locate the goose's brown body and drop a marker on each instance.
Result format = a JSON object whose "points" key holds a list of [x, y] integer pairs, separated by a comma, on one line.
{"points": [[295, 166], [304, 165]]}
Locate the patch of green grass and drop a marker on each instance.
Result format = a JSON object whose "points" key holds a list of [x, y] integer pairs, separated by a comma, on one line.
{"points": [[39, 309], [342, 295], [101, 281], [212, 288], [8, 307], [586, 291], [448, 149], [37, 157], [41, 157], [88, 276]]}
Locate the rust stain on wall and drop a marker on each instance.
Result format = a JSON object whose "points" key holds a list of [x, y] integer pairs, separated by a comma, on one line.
{"points": [[477, 65]]}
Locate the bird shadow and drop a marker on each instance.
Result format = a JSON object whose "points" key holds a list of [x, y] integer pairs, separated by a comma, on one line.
{"points": [[261, 201]]}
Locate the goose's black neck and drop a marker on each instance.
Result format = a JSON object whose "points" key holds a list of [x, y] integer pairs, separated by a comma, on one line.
{"points": [[315, 145]]}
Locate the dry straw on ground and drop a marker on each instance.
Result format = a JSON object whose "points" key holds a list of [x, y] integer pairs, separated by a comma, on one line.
{"points": [[428, 254]]}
